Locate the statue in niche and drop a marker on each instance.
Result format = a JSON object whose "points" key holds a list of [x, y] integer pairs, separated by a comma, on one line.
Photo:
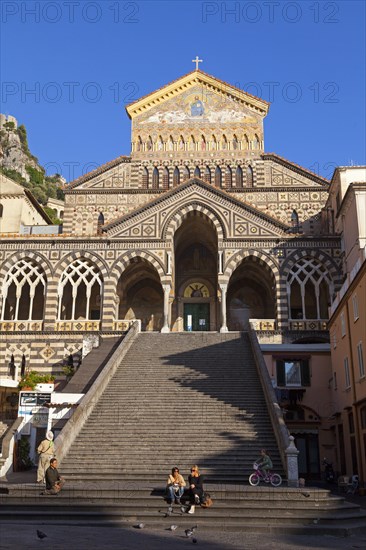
{"points": [[197, 108]]}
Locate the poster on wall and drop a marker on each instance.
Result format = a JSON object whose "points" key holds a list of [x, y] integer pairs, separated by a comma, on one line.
{"points": [[189, 323]]}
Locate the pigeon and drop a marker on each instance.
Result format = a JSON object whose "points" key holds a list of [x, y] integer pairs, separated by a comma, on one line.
{"points": [[173, 527], [41, 535], [140, 525], [305, 495], [188, 532]]}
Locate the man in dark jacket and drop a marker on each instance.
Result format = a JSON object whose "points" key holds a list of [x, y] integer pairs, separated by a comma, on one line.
{"points": [[54, 482]]}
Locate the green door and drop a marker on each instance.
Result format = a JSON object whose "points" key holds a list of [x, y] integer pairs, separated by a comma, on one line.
{"points": [[196, 317]]}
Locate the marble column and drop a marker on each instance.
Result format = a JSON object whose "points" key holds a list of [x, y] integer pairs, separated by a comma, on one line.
{"points": [[223, 288], [166, 289]]}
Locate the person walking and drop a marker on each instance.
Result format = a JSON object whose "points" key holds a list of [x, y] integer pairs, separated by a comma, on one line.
{"points": [[46, 451], [195, 481], [54, 482], [175, 486]]}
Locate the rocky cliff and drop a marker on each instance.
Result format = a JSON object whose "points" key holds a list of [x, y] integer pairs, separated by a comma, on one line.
{"points": [[18, 163]]}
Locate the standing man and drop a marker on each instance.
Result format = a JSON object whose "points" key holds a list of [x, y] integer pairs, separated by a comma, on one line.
{"points": [[54, 482], [45, 450]]}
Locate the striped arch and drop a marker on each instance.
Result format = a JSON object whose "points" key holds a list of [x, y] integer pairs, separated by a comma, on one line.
{"points": [[18, 256], [177, 218], [288, 264], [322, 257], [35, 256], [123, 261], [69, 258], [235, 260]]}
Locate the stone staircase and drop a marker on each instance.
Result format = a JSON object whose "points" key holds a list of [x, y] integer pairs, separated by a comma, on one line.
{"points": [[91, 366], [177, 399]]}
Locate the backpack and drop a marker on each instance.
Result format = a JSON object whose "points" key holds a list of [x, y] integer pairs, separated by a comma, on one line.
{"points": [[206, 501]]}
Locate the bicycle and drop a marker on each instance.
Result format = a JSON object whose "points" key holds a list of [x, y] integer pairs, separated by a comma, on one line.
{"points": [[257, 476]]}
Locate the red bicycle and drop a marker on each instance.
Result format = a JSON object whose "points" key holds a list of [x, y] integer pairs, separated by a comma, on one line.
{"points": [[257, 476]]}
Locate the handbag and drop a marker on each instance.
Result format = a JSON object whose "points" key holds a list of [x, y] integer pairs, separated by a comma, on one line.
{"points": [[206, 501]]}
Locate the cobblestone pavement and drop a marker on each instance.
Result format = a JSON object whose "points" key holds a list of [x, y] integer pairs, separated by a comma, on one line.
{"points": [[66, 537]]}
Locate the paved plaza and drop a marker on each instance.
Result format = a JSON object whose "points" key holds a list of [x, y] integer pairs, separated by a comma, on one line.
{"points": [[61, 537]]}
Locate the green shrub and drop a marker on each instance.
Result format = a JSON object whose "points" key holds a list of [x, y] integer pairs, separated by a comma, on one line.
{"points": [[32, 378]]}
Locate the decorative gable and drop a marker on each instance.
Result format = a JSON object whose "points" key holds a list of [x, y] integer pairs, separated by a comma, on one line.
{"points": [[233, 218]]}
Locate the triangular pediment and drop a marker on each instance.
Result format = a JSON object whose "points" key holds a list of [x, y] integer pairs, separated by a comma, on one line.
{"points": [[236, 219], [204, 85]]}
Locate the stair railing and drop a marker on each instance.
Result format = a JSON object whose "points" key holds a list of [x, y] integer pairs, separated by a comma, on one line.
{"points": [[68, 434], [280, 429]]}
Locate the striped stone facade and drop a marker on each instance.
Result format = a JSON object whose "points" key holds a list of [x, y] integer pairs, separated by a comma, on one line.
{"points": [[203, 206]]}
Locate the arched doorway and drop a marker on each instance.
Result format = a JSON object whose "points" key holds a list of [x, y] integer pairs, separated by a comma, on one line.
{"points": [[140, 295], [251, 294], [195, 248]]}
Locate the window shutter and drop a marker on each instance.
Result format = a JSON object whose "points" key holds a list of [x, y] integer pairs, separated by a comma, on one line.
{"points": [[305, 373], [281, 380]]}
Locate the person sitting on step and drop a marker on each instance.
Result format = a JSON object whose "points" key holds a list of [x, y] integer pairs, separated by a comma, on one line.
{"points": [[175, 485], [54, 482], [195, 481]]}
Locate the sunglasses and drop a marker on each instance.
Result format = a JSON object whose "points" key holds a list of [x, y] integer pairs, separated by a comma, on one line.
{"points": [[193, 470]]}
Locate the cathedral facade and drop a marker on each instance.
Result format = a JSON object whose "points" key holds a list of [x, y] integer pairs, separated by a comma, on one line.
{"points": [[198, 229]]}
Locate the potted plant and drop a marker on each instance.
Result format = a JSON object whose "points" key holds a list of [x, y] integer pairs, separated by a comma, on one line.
{"points": [[32, 378]]}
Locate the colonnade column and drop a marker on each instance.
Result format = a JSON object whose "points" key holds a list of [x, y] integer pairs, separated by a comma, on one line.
{"points": [[223, 288], [166, 289]]}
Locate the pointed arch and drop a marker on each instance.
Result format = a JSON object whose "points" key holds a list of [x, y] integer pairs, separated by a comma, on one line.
{"points": [[228, 177], [249, 176], [181, 143], [207, 175], [139, 144], [236, 144], [160, 144], [235, 260], [218, 177], [177, 218], [224, 143], [176, 176], [186, 173], [203, 143], [213, 145], [155, 178], [23, 291], [192, 143], [165, 177], [170, 144], [309, 288], [124, 261], [149, 144], [256, 142], [145, 177], [246, 142], [197, 172], [100, 223], [239, 177], [80, 291]]}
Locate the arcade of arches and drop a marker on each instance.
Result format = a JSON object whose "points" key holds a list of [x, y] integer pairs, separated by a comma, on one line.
{"points": [[195, 297]]}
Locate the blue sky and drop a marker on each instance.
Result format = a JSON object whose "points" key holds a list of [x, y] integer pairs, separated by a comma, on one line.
{"points": [[69, 67]]}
